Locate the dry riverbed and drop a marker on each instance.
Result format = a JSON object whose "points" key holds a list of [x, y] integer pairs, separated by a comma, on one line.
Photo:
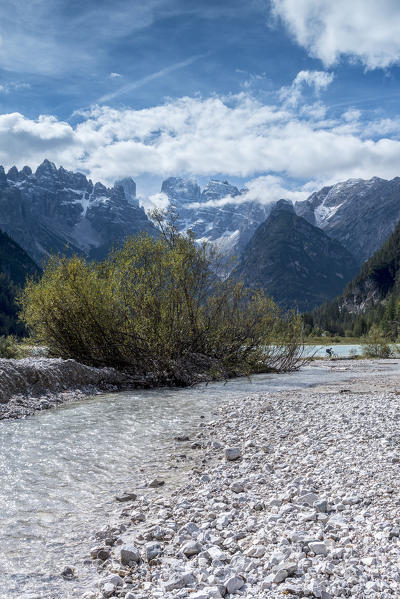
{"points": [[289, 494]]}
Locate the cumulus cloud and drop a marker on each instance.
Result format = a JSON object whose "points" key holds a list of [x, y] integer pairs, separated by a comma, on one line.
{"points": [[264, 190], [363, 30], [156, 200], [317, 80], [282, 147]]}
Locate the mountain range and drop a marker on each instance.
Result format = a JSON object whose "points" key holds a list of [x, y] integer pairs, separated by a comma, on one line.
{"points": [[360, 214], [296, 262], [216, 214], [54, 210], [302, 255]]}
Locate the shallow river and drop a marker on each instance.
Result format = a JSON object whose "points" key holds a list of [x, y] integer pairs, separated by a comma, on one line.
{"points": [[60, 470]]}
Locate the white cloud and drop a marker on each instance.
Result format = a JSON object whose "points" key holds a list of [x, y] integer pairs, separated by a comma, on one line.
{"points": [[10, 86], [115, 75], [157, 200], [265, 190], [282, 147], [363, 30], [317, 80]]}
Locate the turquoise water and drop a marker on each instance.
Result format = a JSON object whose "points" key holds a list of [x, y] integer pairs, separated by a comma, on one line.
{"points": [[342, 351]]}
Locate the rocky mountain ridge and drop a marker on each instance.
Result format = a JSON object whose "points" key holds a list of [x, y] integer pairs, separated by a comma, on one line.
{"points": [[217, 213], [55, 210], [294, 261], [359, 213]]}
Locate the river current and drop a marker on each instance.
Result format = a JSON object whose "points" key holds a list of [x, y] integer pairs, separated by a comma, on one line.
{"points": [[60, 470]]}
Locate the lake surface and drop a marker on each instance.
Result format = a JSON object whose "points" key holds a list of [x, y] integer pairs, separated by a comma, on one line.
{"points": [[341, 351], [60, 470]]}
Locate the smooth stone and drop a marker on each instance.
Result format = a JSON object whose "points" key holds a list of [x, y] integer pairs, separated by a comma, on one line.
{"points": [[126, 497], [237, 487], [114, 579], [108, 590], [280, 576], [232, 453], [234, 584], [191, 548], [155, 483]]}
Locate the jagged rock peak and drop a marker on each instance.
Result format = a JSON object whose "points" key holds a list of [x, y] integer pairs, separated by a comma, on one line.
{"points": [[3, 178], [283, 205], [129, 187], [216, 189], [26, 171], [13, 174], [46, 169], [178, 188]]}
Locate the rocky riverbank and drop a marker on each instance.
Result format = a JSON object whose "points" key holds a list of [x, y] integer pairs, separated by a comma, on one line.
{"points": [[33, 384], [290, 494]]}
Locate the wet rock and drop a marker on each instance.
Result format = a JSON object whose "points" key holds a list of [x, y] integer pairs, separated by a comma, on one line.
{"points": [[68, 573]]}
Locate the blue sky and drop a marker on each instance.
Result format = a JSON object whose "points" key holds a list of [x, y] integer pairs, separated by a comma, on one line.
{"points": [[284, 94]]}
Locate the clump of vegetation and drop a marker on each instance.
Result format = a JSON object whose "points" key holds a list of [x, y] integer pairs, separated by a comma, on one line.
{"points": [[159, 306], [377, 346], [9, 347]]}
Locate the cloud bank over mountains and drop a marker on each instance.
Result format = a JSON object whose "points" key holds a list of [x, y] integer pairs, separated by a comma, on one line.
{"points": [[239, 136], [285, 142]]}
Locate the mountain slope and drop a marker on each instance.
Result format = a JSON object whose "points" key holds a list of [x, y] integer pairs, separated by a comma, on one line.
{"points": [[15, 267], [367, 296], [55, 210], [217, 213], [360, 214], [295, 262]]}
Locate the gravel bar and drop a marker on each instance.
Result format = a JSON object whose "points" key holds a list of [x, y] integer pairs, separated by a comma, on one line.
{"points": [[291, 494]]}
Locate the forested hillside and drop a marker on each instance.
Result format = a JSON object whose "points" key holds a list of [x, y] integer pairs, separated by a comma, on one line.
{"points": [[15, 266], [373, 297], [297, 264]]}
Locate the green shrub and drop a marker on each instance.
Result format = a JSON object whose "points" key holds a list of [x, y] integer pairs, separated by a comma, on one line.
{"points": [[377, 346], [9, 347], [158, 306]]}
